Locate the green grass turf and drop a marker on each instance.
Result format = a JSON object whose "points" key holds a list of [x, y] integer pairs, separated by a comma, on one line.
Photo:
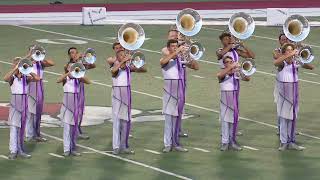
{"points": [[14, 2], [256, 102]]}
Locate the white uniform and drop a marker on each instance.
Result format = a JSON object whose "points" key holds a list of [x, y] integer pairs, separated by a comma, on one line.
{"points": [[35, 103], [173, 100], [18, 113], [121, 108], [69, 114], [229, 102], [288, 101]]}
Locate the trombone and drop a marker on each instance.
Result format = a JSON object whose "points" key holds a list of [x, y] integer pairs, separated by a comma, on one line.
{"points": [[131, 36], [77, 70], [247, 67], [297, 28]]}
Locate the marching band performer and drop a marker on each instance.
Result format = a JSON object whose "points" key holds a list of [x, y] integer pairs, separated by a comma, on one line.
{"points": [[74, 57], [276, 54], [173, 97], [36, 99], [19, 84], [174, 34], [229, 102], [230, 49], [70, 112], [288, 95], [121, 101], [116, 46]]}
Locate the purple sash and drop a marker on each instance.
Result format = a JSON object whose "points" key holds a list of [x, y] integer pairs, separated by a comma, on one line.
{"points": [[295, 102], [39, 100], [75, 115], [129, 105], [24, 111], [236, 84], [81, 105]]}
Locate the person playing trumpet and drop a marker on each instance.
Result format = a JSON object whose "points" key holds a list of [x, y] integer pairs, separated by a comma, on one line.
{"points": [[229, 102], [36, 98], [288, 95], [121, 101], [116, 46], [19, 84], [70, 112], [74, 57]]}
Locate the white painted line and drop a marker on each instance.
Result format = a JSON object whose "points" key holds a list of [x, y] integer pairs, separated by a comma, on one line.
{"points": [[158, 77], [3, 82], [202, 150], [148, 50], [196, 76], [250, 148], [123, 159], [152, 151], [45, 81], [188, 104], [91, 152], [56, 155], [314, 74], [4, 157]]}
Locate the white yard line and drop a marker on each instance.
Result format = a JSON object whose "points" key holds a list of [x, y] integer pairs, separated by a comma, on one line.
{"points": [[56, 155], [314, 74], [200, 149], [158, 77], [188, 104], [123, 159], [197, 76], [250, 148], [4, 157], [152, 151], [148, 50], [91, 152]]}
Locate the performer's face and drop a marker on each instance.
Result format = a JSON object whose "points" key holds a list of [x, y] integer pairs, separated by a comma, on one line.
{"points": [[226, 40], [121, 56], [289, 49], [228, 62], [73, 54], [173, 35], [173, 47], [283, 40], [117, 48]]}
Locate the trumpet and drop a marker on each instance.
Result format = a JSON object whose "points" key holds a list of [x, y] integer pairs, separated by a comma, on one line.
{"points": [[131, 36], [297, 28], [38, 53], [195, 50], [189, 22], [90, 56], [241, 25], [77, 70], [137, 59], [247, 68], [25, 66]]}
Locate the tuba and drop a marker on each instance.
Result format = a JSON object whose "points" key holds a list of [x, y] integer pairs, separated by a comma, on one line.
{"points": [[25, 66], [189, 22], [297, 28], [90, 56], [38, 53], [131, 36], [241, 25], [77, 70]]}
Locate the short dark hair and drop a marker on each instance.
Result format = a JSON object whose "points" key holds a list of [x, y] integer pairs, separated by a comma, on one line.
{"points": [[71, 49], [284, 47], [115, 44], [226, 57], [224, 34], [280, 35], [175, 30], [171, 41]]}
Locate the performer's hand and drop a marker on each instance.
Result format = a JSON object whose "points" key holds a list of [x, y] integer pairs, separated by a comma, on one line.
{"points": [[179, 49]]}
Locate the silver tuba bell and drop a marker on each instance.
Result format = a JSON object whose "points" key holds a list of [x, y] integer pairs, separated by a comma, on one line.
{"points": [[77, 70], [90, 56], [38, 53], [25, 66], [131, 36], [189, 22], [241, 25]]}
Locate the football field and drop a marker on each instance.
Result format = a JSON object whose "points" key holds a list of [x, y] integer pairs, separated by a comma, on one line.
{"points": [[260, 158]]}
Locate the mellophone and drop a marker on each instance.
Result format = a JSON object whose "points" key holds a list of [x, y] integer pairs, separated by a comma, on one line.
{"points": [[189, 23]]}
